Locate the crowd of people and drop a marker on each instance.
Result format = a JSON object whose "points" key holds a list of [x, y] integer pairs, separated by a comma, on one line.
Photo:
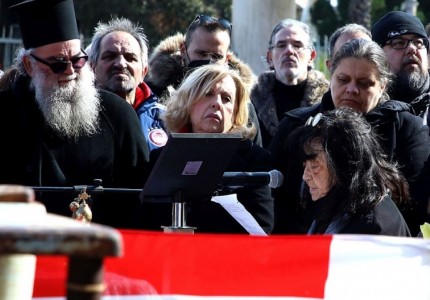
{"points": [[354, 149]]}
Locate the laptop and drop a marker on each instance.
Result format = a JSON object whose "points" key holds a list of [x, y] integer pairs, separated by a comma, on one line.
{"points": [[190, 167]]}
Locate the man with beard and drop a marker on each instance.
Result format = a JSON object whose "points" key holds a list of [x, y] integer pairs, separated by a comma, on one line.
{"points": [[57, 129], [291, 82], [404, 40], [119, 58]]}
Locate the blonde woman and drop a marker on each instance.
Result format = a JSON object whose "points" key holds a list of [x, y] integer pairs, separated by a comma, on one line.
{"points": [[213, 99]]}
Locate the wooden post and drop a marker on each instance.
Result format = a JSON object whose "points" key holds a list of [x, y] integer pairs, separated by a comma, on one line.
{"points": [[27, 230]]}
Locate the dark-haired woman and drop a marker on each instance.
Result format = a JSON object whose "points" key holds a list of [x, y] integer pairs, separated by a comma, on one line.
{"points": [[360, 77], [351, 184]]}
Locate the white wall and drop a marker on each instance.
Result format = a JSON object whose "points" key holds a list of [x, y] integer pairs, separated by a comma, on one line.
{"points": [[253, 21]]}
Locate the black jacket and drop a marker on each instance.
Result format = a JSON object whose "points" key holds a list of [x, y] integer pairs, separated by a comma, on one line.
{"points": [[329, 217], [264, 100], [402, 135], [33, 154], [208, 216]]}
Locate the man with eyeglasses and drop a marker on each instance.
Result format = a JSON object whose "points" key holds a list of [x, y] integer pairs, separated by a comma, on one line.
{"points": [[58, 130], [119, 58], [291, 82], [405, 43], [206, 41]]}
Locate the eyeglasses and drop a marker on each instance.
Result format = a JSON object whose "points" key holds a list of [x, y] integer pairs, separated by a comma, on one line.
{"points": [[298, 47], [402, 43], [60, 66], [208, 20]]}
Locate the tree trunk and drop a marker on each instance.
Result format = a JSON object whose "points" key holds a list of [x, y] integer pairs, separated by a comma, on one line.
{"points": [[359, 12], [410, 6]]}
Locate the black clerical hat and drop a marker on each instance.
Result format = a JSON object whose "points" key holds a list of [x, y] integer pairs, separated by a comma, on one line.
{"points": [[44, 22]]}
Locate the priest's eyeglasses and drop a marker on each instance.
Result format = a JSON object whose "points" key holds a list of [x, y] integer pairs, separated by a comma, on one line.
{"points": [[60, 66]]}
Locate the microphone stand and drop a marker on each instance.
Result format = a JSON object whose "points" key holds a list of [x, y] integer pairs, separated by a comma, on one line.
{"points": [[81, 211], [97, 188], [178, 216], [178, 206]]}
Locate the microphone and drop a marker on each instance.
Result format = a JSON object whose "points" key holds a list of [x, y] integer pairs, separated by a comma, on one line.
{"points": [[273, 179]]}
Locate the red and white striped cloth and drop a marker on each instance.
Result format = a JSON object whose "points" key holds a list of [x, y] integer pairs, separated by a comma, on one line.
{"points": [[170, 266]]}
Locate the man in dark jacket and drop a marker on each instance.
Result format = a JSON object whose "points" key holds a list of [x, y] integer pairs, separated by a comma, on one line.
{"points": [[292, 82], [59, 130], [405, 43]]}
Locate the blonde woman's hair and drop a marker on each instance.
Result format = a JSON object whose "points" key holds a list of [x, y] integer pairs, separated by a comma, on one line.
{"points": [[197, 84]]}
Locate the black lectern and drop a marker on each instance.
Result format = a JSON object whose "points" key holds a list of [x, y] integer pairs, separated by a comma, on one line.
{"points": [[189, 168]]}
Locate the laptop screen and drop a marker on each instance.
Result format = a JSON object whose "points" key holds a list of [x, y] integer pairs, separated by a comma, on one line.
{"points": [[191, 164]]}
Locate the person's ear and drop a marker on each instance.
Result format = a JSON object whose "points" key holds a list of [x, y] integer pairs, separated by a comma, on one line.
{"points": [[313, 56], [144, 71], [269, 59], [28, 66], [228, 56], [328, 64], [382, 89], [183, 50]]}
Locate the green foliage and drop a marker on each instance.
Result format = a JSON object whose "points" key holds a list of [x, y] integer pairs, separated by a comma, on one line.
{"points": [[89, 13], [163, 18], [424, 12], [222, 8], [378, 9], [393, 5], [342, 8], [159, 18], [326, 23], [381, 7], [324, 18]]}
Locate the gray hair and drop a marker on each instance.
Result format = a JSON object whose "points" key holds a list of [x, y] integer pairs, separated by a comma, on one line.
{"points": [[19, 60], [117, 24], [370, 51], [286, 23], [347, 29]]}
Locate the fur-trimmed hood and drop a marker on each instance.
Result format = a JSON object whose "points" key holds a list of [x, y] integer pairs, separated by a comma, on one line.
{"points": [[263, 99], [165, 63], [166, 68]]}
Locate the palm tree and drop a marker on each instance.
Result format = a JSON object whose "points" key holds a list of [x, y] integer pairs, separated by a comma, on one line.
{"points": [[359, 12]]}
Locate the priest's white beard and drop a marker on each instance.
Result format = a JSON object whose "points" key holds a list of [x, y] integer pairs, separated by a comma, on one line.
{"points": [[72, 110]]}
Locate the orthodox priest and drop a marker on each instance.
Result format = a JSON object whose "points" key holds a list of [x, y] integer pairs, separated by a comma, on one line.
{"points": [[58, 130]]}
